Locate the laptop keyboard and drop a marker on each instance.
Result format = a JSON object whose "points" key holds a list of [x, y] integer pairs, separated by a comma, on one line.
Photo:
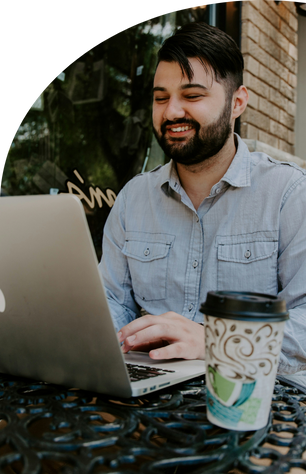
{"points": [[141, 372]]}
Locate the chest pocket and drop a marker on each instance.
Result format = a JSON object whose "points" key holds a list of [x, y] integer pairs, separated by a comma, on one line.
{"points": [[248, 263], [148, 260]]}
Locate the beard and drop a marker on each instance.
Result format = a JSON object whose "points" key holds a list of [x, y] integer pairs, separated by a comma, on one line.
{"points": [[205, 143]]}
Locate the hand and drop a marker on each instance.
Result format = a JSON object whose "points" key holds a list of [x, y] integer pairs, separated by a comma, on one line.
{"points": [[170, 335]]}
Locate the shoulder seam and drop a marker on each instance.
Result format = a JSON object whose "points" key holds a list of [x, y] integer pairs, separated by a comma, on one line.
{"points": [[288, 163], [292, 187]]}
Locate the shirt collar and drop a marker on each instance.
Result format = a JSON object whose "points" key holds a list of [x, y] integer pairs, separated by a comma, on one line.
{"points": [[239, 171], [237, 175], [169, 179]]}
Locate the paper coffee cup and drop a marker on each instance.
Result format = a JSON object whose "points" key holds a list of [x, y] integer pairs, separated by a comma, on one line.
{"points": [[243, 336]]}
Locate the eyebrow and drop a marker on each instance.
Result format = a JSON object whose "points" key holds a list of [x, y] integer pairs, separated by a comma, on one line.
{"points": [[183, 87]]}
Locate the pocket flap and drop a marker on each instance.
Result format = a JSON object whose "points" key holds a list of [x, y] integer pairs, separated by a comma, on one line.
{"points": [[145, 251], [246, 252]]}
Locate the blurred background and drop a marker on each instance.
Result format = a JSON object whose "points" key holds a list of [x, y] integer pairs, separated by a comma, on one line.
{"points": [[90, 131]]}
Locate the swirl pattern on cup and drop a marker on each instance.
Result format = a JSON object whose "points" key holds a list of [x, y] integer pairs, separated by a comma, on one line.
{"points": [[242, 350]]}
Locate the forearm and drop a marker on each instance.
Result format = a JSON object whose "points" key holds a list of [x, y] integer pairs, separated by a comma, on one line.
{"points": [[292, 277], [293, 354], [114, 268], [121, 315], [118, 290]]}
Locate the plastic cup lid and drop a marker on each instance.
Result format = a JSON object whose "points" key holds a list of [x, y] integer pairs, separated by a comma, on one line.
{"points": [[245, 306]]}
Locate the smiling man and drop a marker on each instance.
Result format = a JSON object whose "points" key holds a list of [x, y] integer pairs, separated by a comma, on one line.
{"points": [[193, 121], [215, 218]]}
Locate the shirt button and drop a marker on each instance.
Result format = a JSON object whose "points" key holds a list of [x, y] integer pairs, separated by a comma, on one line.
{"points": [[217, 190], [190, 307], [247, 254], [146, 252], [195, 264]]}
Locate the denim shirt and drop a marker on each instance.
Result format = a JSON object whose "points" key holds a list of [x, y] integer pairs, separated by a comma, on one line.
{"points": [[249, 234]]}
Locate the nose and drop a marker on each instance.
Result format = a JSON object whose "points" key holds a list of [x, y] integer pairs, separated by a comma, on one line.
{"points": [[174, 110]]}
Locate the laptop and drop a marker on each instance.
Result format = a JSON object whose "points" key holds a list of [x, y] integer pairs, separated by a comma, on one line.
{"points": [[55, 322]]}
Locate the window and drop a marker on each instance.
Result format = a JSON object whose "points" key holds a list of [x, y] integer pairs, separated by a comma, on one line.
{"points": [[90, 131]]}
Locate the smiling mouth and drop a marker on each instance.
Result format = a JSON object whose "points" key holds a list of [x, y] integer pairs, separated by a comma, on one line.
{"points": [[179, 132], [180, 129]]}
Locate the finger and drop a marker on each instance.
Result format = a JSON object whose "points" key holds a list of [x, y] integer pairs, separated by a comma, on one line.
{"points": [[177, 350], [180, 350], [147, 321], [132, 327], [144, 347], [149, 347], [157, 334], [136, 325]]}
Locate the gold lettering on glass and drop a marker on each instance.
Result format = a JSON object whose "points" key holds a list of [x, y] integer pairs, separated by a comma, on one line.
{"points": [[96, 195]]}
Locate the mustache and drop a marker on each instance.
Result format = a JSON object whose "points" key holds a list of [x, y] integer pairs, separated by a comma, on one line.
{"points": [[171, 123]]}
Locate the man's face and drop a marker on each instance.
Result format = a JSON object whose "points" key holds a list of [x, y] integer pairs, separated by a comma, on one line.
{"points": [[191, 120]]}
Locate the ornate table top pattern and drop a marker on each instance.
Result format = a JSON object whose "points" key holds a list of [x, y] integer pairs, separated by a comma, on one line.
{"points": [[45, 428]]}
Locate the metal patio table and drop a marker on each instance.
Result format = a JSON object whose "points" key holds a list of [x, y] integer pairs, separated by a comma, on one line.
{"points": [[45, 428]]}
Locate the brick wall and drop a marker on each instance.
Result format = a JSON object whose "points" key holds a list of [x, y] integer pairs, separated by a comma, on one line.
{"points": [[269, 46]]}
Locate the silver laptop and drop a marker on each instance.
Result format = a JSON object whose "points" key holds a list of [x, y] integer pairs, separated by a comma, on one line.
{"points": [[55, 324]]}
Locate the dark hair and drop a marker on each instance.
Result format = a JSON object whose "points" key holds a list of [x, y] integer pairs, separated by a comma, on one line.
{"points": [[215, 49]]}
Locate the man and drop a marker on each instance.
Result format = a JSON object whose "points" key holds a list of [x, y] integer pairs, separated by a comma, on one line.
{"points": [[215, 218]]}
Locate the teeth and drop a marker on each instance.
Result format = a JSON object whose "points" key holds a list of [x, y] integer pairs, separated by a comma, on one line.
{"points": [[181, 129]]}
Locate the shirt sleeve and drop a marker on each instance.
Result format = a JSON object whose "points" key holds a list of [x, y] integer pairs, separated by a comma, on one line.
{"points": [[114, 267], [292, 276], [293, 356]]}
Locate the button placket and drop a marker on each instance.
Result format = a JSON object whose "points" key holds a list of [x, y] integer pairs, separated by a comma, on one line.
{"points": [[193, 274]]}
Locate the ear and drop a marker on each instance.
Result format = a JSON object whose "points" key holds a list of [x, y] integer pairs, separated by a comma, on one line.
{"points": [[240, 100]]}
